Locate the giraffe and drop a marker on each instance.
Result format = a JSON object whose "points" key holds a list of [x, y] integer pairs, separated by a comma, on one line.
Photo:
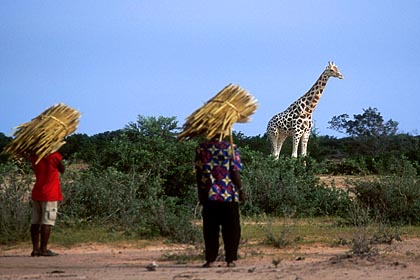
{"points": [[296, 120]]}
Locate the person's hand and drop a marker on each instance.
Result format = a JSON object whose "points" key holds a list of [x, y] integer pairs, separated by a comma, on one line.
{"points": [[202, 198], [241, 195]]}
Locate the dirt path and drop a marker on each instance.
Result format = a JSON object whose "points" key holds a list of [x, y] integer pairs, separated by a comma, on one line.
{"points": [[400, 260]]}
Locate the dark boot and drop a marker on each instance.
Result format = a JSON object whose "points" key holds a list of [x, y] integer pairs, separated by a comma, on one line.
{"points": [[35, 239], [45, 236]]}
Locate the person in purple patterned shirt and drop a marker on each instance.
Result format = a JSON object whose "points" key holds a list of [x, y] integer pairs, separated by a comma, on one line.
{"points": [[217, 165]]}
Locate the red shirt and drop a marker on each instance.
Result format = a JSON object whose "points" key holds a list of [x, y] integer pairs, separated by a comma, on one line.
{"points": [[47, 186]]}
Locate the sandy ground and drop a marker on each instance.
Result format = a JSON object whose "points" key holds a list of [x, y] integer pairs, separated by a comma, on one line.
{"points": [[400, 260]]}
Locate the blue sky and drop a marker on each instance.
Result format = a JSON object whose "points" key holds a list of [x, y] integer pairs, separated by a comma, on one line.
{"points": [[115, 60]]}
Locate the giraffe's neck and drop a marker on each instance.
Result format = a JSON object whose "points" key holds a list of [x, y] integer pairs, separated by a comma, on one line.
{"points": [[310, 99]]}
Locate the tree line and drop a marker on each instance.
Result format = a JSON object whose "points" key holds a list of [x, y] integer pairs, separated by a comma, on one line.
{"points": [[370, 144]]}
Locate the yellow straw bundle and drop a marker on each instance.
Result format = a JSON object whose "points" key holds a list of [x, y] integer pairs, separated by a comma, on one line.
{"points": [[45, 133], [217, 116]]}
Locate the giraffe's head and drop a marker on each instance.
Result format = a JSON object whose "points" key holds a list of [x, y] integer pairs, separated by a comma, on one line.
{"points": [[332, 71]]}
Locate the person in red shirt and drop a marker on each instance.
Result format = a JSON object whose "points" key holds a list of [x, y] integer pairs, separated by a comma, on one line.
{"points": [[46, 194]]}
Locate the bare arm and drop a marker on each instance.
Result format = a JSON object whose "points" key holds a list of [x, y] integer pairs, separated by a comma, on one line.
{"points": [[203, 192], [236, 179], [61, 167]]}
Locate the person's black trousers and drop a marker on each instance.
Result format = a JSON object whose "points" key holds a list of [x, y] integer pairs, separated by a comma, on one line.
{"points": [[225, 215]]}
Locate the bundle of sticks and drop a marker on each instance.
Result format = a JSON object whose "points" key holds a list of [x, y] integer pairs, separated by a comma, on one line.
{"points": [[45, 133], [217, 116]]}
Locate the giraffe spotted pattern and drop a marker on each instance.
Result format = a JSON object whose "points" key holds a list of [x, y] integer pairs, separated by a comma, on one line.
{"points": [[296, 120]]}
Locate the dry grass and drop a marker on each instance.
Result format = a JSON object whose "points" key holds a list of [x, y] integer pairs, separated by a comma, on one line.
{"points": [[45, 133], [217, 116]]}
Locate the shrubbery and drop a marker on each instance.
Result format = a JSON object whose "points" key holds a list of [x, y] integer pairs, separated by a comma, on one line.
{"points": [[287, 187], [140, 180], [15, 213], [133, 202], [393, 198]]}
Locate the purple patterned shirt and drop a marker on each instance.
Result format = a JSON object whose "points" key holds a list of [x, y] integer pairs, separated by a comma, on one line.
{"points": [[215, 160]]}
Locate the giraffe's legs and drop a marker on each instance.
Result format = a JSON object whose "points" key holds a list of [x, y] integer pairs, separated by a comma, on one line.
{"points": [[280, 140], [304, 143], [296, 139], [276, 144], [273, 143]]}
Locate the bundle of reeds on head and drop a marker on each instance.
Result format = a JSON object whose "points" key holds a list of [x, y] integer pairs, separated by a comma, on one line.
{"points": [[217, 116], [45, 133]]}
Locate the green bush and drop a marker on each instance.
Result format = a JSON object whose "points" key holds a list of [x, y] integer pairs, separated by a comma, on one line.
{"points": [[15, 197], [392, 198], [287, 186], [348, 166], [106, 195], [174, 221], [132, 202]]}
